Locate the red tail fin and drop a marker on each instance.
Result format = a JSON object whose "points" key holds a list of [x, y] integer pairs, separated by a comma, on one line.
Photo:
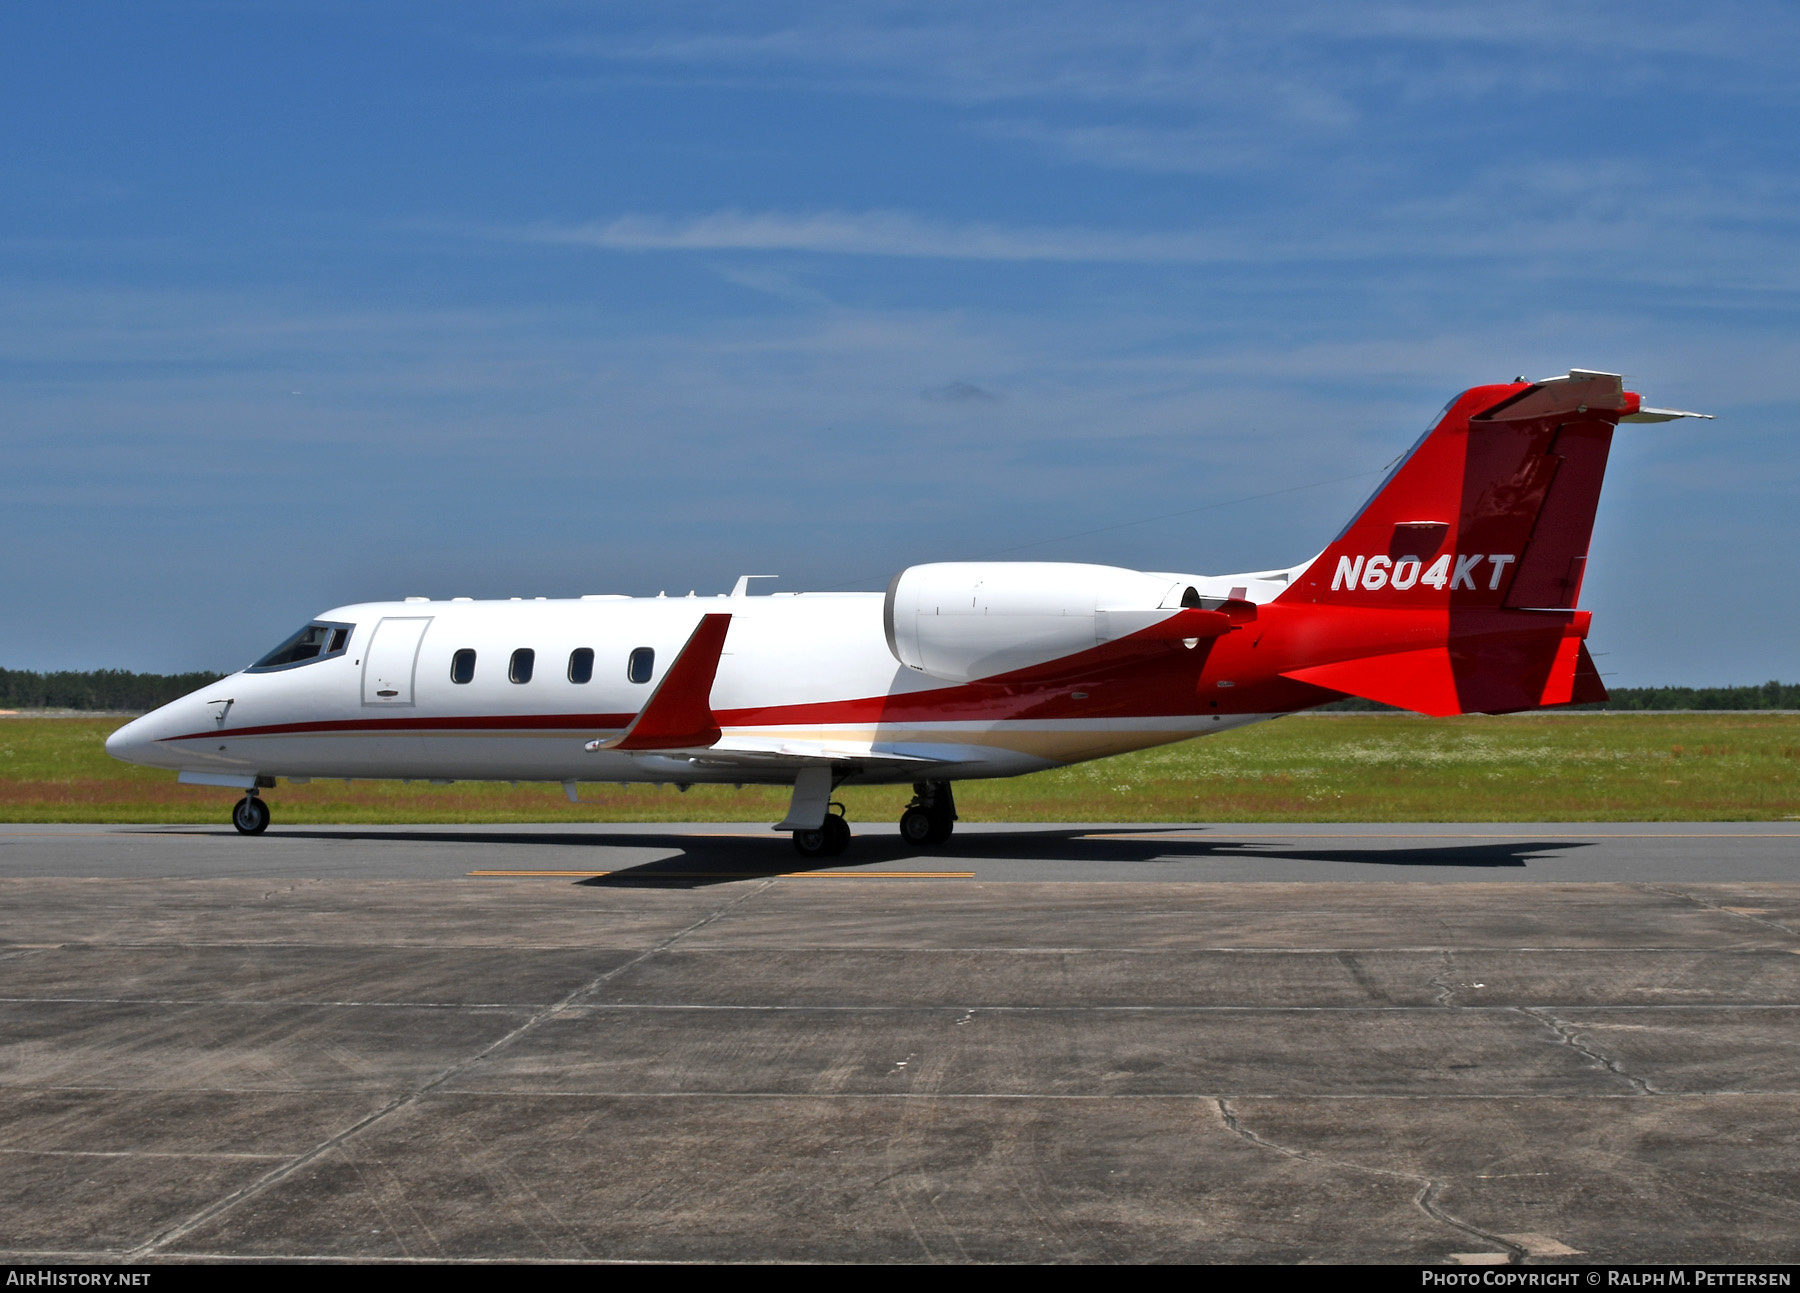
{"points": [[1493, 507], [1479, 540]]}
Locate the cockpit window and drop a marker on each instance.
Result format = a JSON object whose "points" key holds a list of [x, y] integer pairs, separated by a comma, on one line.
{"points": [[314, 642]]}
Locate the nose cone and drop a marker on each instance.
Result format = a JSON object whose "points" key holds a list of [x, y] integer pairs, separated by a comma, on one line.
{"points": [[132, 742], [146, 740], [156, 739]]}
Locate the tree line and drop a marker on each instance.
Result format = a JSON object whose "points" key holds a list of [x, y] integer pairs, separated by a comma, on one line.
{"points": [[1769, 695], [117, 689], [96, 689]]}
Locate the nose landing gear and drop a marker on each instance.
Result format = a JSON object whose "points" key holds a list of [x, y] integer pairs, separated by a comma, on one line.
{"points": [[251, 815], [931, 817]]}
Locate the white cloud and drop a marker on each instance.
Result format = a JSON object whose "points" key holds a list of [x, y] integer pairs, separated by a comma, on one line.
{"points": [[882, 233], [1289, 59], [1605, 221], [1189, 150]]}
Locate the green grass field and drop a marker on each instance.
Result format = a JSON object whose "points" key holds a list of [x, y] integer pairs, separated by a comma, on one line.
{"points": [[1351, 768]]}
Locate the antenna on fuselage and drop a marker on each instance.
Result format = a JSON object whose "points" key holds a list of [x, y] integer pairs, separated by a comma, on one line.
{"points": [[742, 587]]}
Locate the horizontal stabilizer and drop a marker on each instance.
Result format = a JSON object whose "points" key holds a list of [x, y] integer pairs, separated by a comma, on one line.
{"points": [[1662, 415], [679, 713]]}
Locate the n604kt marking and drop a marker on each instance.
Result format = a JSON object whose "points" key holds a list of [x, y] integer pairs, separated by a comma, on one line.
{"points": [[1378, 572]]}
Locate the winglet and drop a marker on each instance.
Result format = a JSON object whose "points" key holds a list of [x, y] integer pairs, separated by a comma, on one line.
{"points": [[678, 715]]}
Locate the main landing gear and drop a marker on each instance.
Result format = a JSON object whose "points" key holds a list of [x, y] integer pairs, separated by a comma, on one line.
{"points": [[927, 822], [251, 815], [931, 817], [831, 839]]}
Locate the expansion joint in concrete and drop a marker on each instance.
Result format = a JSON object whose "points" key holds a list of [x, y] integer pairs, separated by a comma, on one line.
{"points": [[1756, 918], [1425, 1200], [220, 1206]]}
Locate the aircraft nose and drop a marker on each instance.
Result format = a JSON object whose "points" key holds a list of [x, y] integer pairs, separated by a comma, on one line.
{"points": [[129, 742]]}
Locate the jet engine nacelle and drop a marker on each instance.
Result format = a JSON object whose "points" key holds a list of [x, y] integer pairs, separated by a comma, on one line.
{"points": [[963, 620]]}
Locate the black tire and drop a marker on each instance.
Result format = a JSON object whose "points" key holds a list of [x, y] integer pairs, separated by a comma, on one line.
{"points": [[831, 839], [942, 827], [250, 816], [917, 827]]}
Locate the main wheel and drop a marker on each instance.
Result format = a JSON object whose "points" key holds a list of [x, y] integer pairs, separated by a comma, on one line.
{"points": [[831, 839], [942, 827], [251, 816], [917, 827]]}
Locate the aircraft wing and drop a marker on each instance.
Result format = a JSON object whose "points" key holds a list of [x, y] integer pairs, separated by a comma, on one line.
{"points": [[677, 721], [786, 751]]}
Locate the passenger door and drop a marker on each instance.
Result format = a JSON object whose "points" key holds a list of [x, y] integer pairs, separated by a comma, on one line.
{"points": [[391, 660]]}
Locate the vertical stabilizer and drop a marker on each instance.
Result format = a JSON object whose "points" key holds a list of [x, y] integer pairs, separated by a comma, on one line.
{"points": [[1493, 507], [1453, 590]]}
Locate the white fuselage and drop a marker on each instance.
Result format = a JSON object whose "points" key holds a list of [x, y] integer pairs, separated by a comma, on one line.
{"points": [[802, 678]]}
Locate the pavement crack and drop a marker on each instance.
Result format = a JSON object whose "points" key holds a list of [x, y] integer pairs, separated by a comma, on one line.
{"points": [[275, 1176], [292, 888], [1358, 972], [1736, 912], [1446, 991], [1425, 1200], [1571, 1037]]}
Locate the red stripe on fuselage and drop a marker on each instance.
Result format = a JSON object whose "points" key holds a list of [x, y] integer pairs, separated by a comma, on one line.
{"points": [[496, 722], [1133, 678], [1136, 677]]}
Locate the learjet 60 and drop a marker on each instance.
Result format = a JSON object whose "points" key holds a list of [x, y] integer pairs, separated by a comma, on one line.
{"points": [[1454, 590]]}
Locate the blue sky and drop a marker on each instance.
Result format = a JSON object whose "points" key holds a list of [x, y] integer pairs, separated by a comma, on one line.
{"points": [[305, 304]]}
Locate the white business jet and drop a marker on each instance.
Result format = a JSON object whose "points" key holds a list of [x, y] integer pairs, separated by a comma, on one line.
{"points": [[1453, 590]]}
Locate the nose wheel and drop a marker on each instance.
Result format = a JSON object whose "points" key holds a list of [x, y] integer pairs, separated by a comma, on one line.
{"points": [[831, 839], [250, 816], [931, 817]]}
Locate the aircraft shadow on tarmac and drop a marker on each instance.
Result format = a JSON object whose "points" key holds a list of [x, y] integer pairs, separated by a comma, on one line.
{"points": [[703, 860]]}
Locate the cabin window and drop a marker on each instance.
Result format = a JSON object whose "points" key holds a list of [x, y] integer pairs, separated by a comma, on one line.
{"points": [[641, 665], [462, 666], [314, 642], [522, 660], [581, 665]]}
